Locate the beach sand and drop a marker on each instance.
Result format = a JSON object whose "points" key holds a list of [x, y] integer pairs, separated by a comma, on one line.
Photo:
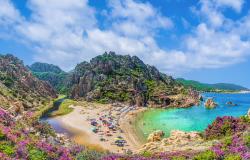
{"points": [[78, 124]]}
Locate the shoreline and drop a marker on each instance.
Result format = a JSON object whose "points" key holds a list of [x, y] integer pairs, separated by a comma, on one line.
{"points": [[77, 124]]}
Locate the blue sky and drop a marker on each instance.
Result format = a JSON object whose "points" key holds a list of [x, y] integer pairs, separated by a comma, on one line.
{"points": [[204, 40]]}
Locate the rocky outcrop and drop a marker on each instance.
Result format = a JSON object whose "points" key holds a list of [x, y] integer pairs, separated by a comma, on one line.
{"points": [[110, 78], [20, 90], [177, 141], [155, 136], [210, 103], [201, 98], [248, 113]]}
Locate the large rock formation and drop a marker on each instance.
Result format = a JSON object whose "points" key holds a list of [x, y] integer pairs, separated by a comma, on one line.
{"points": [[110, 77], [210, 103], [177, 141], [19, 89]]}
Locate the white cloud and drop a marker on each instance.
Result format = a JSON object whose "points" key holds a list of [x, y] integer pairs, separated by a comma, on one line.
{"points": [[235, 4], [137, 19], [67, 32], [8, 13]]}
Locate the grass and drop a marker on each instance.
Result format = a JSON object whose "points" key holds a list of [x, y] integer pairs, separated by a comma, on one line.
{"points": [[46, 107], [63, 108]]}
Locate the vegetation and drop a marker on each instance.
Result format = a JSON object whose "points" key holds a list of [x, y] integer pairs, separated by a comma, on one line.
{"points": [[19, 90], [207, 155], [64, 108], [52, 74], [218, 87], [55, 79], [27, 138], [47, 106], [45, 67], [225, 126]]}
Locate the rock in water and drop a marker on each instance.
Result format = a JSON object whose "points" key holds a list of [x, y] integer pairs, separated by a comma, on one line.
{"points": [[231, 103], [155, 136], [201, 98], [210, 103]]}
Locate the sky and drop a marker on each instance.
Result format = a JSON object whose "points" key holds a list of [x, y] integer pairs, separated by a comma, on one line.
{"points": [[204, 40]]}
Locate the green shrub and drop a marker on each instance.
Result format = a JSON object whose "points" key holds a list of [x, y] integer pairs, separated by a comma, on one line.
{"points": [[146, 154], [35, 154], [227, 141], [245, 119], [207, 155], [7, 148], [88, 155], [233, 157], [178, 158], [247, 139], [2, 136]]}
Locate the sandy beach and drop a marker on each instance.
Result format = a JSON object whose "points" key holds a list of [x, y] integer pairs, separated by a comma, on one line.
{"points": [[85, 124]]}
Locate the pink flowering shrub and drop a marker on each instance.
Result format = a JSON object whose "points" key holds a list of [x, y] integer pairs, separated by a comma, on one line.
{"points": [[225, 126], [232, 145], [19, 140], [181, 155]]}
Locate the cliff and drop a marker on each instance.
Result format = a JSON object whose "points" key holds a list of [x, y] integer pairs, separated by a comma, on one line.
{"points": [[19, 89]]}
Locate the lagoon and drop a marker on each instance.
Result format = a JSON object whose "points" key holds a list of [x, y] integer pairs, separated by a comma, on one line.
{"points": [[195, 118]]}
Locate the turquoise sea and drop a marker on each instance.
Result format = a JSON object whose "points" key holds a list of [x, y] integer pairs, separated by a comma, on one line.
{"points": [[195, 118]]}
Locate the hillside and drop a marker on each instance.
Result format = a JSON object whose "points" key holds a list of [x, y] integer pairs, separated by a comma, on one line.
{"points": [[50, 73], [210, 87], [110, 77], [19, 89]]}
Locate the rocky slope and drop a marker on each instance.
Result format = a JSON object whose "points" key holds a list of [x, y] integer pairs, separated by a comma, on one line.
{"points": [[19, 89], [50, 73], [110, 77]]}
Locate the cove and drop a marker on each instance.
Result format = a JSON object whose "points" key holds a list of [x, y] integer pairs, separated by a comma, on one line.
{"points": [[195, 118]]}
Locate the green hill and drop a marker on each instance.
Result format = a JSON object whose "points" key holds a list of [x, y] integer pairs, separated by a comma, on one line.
{"points": [[210, 87], [50, 73]]}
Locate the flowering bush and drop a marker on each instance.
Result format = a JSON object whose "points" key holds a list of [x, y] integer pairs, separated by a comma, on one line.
{"points": [[19, 139], [232, 145], [225, 126], [181, 155]]}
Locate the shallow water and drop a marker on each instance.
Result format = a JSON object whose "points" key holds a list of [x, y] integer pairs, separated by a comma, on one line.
{"points": [[196, 118]]}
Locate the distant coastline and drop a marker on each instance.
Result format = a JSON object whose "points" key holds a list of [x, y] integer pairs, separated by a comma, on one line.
{"points": [[244, 91]]}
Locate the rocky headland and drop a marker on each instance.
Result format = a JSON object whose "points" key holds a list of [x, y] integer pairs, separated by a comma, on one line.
{"points": [[110, 77]]}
